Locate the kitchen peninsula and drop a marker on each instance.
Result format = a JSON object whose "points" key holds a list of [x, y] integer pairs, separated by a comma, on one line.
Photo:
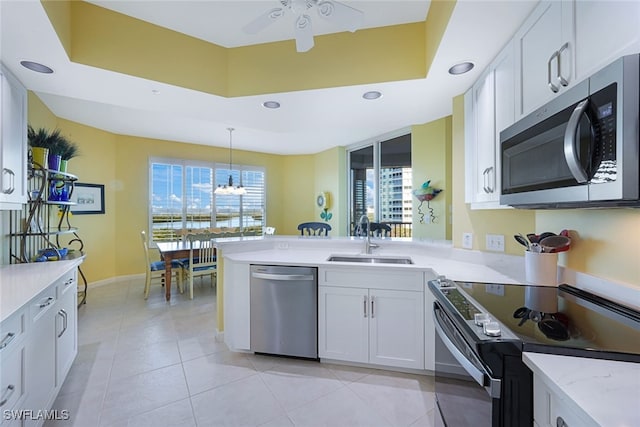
{"points": [[430, 260]]}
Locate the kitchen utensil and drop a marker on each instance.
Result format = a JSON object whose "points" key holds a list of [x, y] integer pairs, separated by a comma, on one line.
{"points": [[533, 238], [555, 244], [522, 240], [545, 235], [535, 247]]}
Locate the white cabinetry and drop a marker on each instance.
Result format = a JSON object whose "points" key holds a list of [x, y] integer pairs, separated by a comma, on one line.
{"points": [[489, 109], [371, 316], [563, 42], [12, 357], [551, 410], [66, 327], [13, 141], [237, 311]]}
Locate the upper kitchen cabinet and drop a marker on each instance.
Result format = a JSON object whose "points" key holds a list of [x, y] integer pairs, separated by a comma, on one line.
{"points": [[563, 42], [544, 54], [13, 142], [604, 31], [489, 109]]}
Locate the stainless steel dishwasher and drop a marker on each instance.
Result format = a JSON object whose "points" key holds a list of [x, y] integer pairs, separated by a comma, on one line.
{"points": [[284, 310]]}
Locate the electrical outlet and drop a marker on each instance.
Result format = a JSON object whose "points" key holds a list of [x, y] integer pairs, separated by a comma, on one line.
{"points": [[495, 242], [496, 289], [467, 240]]}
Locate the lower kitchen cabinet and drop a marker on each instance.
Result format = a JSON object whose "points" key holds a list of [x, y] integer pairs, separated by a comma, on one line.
{"points": [[38, 346], [371, 324], [551, 410]]}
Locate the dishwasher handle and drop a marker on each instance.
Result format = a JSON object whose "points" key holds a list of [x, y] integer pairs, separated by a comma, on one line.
{"points": [[284, 277]]}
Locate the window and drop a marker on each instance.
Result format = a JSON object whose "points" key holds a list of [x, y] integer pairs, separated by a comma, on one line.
{"points": [[181, 197], [380, 178]]}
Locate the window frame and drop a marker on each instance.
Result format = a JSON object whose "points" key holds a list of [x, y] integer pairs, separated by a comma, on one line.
{"points": [[214, 166], [376, 144]]}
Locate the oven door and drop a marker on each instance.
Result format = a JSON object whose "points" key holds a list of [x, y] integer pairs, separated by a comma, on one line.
{"points": [[466, 394]]}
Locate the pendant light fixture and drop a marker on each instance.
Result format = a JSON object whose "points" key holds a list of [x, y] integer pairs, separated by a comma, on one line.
{"points": [[229, 189]]}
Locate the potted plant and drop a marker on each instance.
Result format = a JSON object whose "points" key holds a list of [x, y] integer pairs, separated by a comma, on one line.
{"points": [[47, 147]]}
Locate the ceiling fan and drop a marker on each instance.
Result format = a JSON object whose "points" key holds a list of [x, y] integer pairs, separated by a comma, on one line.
{"points": [[341, 15]]}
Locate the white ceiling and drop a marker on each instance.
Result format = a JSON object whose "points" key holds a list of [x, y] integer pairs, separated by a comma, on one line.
{"points": [[308, 121]]}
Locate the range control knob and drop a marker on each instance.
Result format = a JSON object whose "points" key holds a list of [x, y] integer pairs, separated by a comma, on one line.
{"points": [[481, 318], [444, 282], [491, 329]]}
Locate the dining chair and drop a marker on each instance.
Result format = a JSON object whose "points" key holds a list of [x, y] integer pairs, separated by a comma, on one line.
{"points": [[314, 228], [378, 229], [202, 258], [156, 269]]}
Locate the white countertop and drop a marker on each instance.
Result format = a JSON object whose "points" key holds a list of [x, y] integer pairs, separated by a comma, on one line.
{"points": [[19, 283], [605, 391]]}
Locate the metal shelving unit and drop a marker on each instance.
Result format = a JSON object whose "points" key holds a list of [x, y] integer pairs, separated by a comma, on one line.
{"points": [[35, 227]]}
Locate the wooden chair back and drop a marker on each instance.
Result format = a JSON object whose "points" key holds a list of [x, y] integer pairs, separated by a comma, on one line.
{"points": [[314, 229]]}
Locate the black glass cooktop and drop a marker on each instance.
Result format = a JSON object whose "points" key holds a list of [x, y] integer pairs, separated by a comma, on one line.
{"points": [[562, 320]]}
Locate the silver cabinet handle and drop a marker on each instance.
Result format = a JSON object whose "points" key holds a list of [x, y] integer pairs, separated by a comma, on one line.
{"points": [[46, 303], [570, 137], [485, 188], [492, 188], [68, 282], [365, 305], [372, 307], [7, 339], [7, 394], [560, 422], [553, 87], [559, 77], [11, 175], [64, 316]]}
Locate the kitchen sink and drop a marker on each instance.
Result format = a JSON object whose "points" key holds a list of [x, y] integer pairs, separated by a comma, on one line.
{"points": [[367, 259]]}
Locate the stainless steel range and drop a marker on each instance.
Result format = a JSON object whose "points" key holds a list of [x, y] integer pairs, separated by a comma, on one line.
{"points": [[483, 328]]}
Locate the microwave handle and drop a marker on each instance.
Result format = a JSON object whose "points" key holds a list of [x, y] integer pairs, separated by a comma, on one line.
{"points": [[570, 136]]}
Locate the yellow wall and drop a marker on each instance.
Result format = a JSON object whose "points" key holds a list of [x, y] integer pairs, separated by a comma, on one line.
{"points": [[297, 193], [431, 161], [331, 177]]}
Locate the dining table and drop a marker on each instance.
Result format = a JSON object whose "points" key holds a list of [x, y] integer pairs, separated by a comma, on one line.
{"points": [[178, 249]]}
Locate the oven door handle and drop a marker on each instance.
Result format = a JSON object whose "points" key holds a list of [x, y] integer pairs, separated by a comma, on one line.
{"points": [[492, 386]]}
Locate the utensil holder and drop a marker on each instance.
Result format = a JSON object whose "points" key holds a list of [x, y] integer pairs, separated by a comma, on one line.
{"points": [[541, 268]]}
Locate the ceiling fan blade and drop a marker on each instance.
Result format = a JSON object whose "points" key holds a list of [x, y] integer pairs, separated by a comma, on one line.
{"points": [[304, 33], [263, 21], [341, 15]]}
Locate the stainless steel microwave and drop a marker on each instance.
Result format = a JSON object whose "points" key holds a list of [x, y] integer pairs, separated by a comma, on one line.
{"points": [[581, 149]]}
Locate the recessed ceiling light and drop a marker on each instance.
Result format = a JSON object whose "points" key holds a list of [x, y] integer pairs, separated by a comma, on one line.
{"points": [[155, 91], [34, 66], [271, 104], [373, 94], [461, 68]]}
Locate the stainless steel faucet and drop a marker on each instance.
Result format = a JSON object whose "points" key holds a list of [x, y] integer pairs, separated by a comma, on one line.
{"points": [[368, 246]]}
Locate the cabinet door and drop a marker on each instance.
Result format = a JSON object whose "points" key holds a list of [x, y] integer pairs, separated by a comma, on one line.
{"points": [[13, 142], [237, 308], [605, 30], [543, 34], [40, 369], [396, 328], [66, 328], [343, 323], [485, 149]]}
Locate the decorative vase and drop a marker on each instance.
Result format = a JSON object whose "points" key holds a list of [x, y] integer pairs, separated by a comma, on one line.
{"points": [[56, 190], [39, 156], [63, 165], [54, 161]]}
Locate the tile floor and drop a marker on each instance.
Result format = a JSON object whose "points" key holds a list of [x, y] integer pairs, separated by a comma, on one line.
{"points": [[149, 363]]}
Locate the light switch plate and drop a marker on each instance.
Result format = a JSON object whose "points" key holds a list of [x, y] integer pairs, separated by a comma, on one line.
{"points": [[467, 240]]}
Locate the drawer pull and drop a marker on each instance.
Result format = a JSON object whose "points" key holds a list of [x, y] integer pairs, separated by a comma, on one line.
{"points": [[7, 339], [561, 423], [46, 303], [68, 282], [7, 394]]}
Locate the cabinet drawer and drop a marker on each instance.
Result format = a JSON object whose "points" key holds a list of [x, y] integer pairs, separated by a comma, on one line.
{"points": [[66, 283], [11, 378], [11, 331], [372, 278], [42, 303]]}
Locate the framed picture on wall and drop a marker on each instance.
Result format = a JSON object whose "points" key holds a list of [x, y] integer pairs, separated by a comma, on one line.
{"points": [[88, 199]]}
